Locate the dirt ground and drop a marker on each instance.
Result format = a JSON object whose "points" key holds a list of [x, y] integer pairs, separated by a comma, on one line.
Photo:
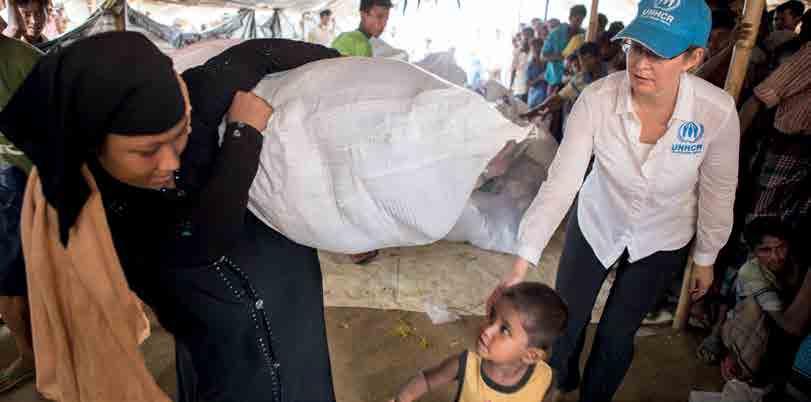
{"points": [[374, 351]]}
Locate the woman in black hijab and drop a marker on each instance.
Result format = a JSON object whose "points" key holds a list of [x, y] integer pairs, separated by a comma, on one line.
{"points": [[243, 302]]}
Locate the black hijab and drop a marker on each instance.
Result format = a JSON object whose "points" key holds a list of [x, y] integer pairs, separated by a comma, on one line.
{"points": [[114, 82]]}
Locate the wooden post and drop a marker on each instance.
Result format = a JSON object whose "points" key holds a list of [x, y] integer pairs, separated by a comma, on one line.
{"points": [[546, 12], [594, 21], [752, 12], [120, 14], [683, 308]]}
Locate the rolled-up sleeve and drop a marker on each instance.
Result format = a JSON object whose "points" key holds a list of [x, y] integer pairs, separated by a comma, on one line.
{"points": [[787, 80], [718, 179], [565, 177]]}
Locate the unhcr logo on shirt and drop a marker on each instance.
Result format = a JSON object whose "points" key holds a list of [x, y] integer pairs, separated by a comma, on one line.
{"points": [[661, 11], [690, 138]]}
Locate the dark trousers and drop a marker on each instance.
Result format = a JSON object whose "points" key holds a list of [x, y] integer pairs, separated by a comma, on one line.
{"points": [[636, 289], [12, 266]]}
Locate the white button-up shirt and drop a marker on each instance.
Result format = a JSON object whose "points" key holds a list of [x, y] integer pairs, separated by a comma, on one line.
{"points": [[685, 187]]}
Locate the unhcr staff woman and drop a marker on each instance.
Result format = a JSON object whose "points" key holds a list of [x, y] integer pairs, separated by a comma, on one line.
{"points": [[243, 302], [665, 147]]}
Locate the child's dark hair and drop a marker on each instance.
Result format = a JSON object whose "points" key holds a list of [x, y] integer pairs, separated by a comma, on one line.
{"points": [[543, 312], [366, 5], [760, 227]]}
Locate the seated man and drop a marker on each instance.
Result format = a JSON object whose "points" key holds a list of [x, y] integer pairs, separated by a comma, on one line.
{"points": [[374, 14], [770, 281]]}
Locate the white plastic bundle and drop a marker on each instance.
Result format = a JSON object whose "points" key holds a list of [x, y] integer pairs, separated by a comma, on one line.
{"points": [[362, 154], [381, 48], [443, 64]]}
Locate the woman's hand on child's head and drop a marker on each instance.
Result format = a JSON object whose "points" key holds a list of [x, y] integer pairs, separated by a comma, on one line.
{"points": [[514, 277]]}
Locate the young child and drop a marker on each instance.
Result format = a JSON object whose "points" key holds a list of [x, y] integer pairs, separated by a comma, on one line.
{"points": [[509, 362]]}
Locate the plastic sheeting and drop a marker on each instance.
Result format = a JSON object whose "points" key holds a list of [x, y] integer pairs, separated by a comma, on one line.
{"points": [[102, 20], [242, 26], [381, 48], [354, 160], [444, 65], [491, 218]]}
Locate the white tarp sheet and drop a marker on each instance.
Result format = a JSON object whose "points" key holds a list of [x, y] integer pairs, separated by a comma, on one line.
{"points": [[363, 154]]}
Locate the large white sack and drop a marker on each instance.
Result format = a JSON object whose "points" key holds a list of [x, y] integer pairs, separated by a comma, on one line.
{"points": [[362, 154]]}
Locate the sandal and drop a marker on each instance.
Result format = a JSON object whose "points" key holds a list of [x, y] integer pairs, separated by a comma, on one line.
{"points": [[710, 350], [17, 373], [364, 258]]}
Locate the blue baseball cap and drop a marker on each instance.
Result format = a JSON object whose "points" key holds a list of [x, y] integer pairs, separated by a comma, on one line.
{"points": [[669, 27]]}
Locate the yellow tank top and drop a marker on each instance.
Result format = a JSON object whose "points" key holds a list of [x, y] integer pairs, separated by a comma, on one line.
{"points": [[476, 387]]}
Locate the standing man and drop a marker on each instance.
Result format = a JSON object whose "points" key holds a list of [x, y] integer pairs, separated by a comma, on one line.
{"points": [[556, 42], [374, 14], [28, 19], [788, 15], [786, 18], [539, 27], [324, 33]]}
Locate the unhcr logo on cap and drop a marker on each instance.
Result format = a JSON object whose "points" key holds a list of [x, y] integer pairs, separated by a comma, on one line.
{"points": [[660, 11], [689, 139], [667, 5]]}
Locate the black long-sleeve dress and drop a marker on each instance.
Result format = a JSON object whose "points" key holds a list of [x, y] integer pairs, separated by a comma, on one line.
{"points": [[244, 303]]}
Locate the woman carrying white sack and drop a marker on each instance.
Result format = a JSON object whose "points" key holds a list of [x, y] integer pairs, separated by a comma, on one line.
{"points": [[665, 147]]}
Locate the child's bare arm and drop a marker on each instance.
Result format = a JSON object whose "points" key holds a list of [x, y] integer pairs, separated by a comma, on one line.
{"points": [[429, 379]]}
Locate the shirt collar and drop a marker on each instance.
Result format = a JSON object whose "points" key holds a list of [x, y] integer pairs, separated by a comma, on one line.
{"points": [[683, 111]]}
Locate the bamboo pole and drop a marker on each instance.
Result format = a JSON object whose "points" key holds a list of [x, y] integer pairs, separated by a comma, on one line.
{"points": [[121, 16], [594, 21], [683, 309], [546, 12], [752, 12]]}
